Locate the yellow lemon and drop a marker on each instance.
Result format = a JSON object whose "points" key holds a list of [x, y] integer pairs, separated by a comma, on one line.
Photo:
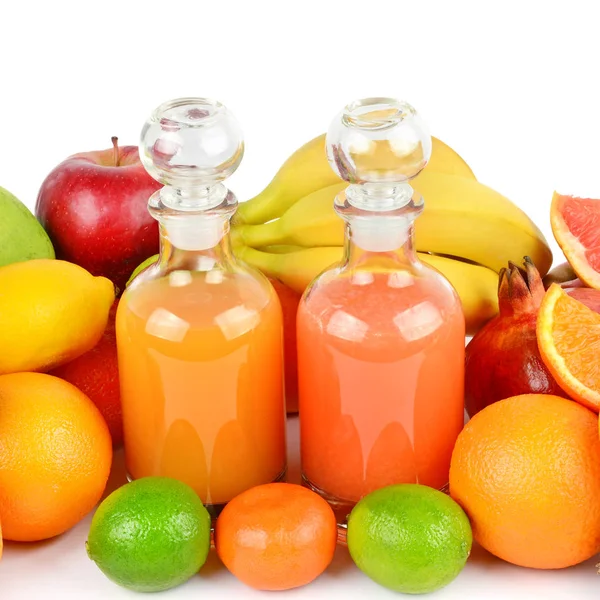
{"points": [[51, 311]]}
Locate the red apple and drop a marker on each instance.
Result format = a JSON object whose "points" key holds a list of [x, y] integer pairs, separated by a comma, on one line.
{"points": [[96, 374], [94, 208]]}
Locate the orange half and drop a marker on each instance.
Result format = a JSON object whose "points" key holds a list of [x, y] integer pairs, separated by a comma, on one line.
{"points": [[568, 335], [576, 227]]}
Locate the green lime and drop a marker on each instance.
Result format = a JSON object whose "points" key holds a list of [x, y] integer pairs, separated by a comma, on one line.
{"points": [[409, 538], [150, 535]]}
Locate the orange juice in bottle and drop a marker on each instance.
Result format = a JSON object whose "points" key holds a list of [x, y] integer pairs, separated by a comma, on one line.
{"points": [[199, 335], [381, 335]]}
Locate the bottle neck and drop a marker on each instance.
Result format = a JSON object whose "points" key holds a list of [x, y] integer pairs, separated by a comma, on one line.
{"points": [[192, 235], [379, 240], [380, 226], [196, 245]]}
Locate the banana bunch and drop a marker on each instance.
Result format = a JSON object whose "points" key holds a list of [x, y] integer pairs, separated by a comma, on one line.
{"points": [[467, 231]]}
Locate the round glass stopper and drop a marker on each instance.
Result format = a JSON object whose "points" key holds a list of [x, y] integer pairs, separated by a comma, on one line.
{"points": [[378, 140], [190, 143]]}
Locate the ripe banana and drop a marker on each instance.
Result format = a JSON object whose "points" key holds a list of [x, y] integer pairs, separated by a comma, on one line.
{"points": [[476, 285], [294, 269], [308, 170], [310, 222], [279, 249], [462, 218]]}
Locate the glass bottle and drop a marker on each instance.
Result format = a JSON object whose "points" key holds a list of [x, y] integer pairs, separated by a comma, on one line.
{"points": [[381, 336], [199, 335]]}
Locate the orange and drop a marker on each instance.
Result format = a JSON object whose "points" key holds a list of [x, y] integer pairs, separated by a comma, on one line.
{"points": [[568, 334], [575, 224], [276, 536], [526, 470], [55, 456]]}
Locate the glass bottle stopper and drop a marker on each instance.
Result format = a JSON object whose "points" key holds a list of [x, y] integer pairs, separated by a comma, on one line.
{"points": [[191, 145], [378, 145]]}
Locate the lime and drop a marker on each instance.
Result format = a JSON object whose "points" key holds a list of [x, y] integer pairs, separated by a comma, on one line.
{"points": [[409, 538], [150, 535]]}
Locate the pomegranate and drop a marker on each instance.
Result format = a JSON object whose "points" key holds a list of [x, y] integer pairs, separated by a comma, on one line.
{"points": [[503, 359]]}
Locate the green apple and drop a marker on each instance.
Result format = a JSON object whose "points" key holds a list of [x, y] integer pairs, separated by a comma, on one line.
{"points": [[21, 235], [149, 261]]}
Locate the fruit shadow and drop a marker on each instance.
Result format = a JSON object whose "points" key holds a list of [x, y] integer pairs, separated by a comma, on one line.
{"points": [[341, 563], [483, 560], [212, 567], [23, 547], [118, 473], [69, 545]]}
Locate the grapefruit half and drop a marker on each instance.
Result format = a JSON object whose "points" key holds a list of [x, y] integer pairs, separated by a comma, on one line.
{"points": [[576, 227]]}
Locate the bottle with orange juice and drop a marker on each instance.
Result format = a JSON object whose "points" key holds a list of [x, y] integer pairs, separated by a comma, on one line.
{"points": [[199, 334], [381, 335]]}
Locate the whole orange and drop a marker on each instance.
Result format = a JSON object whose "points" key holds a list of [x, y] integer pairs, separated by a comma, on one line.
{"points": [[96, 374], [55, 456], [526, 470], [276, 536]]}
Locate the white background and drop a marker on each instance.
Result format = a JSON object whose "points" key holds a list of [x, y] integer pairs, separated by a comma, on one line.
{"points": [[513, 86]]}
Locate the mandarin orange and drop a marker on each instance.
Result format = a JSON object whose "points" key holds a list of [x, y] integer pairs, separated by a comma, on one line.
{"points": [[55, 456], [526, 470], [276, 536]]}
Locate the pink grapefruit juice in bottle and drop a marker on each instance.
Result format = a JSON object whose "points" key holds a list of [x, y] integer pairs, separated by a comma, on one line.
{"points": [[380, 336], [199, 334]]}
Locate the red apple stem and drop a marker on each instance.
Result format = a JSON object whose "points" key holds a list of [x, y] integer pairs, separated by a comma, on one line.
{"points": [[115, 141]]}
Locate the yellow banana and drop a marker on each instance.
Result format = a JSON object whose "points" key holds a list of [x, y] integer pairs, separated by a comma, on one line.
{"points": [[446, 160], [476, 285], [308, 170], [310, 222], [279, 248], [462, 218], [294, 269]]}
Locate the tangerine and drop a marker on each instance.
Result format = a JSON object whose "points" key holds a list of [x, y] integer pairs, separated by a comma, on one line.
{"points": [[526, 470], [276, 536], [55, 456]]}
